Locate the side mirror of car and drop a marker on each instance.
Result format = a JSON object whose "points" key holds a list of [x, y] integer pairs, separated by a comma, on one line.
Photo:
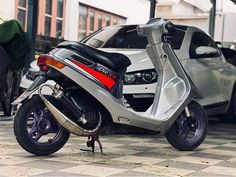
{"points": [[207, 51]]}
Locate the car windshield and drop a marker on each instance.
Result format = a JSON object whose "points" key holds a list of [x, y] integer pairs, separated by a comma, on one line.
{"points": [[116, 37], [126, 37]]}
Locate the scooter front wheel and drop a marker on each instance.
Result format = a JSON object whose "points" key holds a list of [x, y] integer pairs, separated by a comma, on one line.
{"points": [[36, 130], [187, 133]]}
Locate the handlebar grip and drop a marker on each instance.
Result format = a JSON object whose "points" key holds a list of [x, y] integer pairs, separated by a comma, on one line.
{"points": [[140, 31], [169, 26]]}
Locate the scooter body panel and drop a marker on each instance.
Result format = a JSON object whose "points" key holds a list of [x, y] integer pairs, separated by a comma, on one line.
{"points": [[89, 85], [173, 93]]}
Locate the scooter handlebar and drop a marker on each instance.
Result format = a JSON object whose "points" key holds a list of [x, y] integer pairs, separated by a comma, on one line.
{"points": [[169, 26], [155, 29], [140, 31]]}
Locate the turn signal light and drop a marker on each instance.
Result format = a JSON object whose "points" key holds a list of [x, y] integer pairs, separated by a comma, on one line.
{"points": [[45, 60]]}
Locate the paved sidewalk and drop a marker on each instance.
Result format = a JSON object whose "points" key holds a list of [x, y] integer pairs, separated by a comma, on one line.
{"points": [[132, 155]]}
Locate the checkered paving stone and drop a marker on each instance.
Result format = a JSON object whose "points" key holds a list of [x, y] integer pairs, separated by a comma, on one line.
{"points": [[126, 155]]}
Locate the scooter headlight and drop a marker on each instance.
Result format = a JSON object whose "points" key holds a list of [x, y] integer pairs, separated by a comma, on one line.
{"points": [[141, 77]]}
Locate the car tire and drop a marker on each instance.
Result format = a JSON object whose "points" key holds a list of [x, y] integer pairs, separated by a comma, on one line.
{"points": [[230, 116]]}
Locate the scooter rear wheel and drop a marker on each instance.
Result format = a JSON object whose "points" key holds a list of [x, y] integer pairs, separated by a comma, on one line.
{"points": [[36, 130], [187, 133]]}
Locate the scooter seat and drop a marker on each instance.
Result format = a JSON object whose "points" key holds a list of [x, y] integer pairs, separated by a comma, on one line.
{"points": [[114, 61]]}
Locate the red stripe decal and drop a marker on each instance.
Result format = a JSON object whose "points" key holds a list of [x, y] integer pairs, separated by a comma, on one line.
{"points": [[107, 81]]}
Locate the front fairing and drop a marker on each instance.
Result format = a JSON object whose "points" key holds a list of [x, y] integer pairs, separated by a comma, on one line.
{"points": [[174, 90]]}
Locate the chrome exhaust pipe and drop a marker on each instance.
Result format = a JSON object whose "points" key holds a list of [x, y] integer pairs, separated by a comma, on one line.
{"points": [[61, 118]]}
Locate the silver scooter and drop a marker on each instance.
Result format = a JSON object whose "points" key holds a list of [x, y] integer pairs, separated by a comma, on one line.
{"points": [[88, 95]]}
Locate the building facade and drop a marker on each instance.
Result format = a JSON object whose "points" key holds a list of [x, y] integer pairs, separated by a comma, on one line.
{"points": [[75, 19], [92, 19], [103, 13]]}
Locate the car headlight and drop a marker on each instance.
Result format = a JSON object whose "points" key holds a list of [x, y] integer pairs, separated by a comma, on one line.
{"points": [[141, 77]]}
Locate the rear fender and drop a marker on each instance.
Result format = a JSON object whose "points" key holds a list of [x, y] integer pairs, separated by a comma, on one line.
{"points": [[35, 85]]}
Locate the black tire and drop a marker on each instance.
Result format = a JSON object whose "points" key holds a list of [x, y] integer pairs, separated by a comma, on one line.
{"points": [[230, 115], [22, 134], [199, 117]]}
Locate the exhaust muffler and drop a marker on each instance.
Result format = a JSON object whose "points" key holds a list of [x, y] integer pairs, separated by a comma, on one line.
{"points": [[61, 118]]}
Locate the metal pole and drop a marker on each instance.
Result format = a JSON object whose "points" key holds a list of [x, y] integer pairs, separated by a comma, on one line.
{"points": [[212, 18], [152, 8], [32, 23]]}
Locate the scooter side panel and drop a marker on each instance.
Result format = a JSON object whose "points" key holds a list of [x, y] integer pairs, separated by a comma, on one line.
{"points": [[119, 113]]}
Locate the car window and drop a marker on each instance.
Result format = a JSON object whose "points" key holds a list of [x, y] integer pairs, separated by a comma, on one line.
{"points": [[117, 37], [176, 36], [126, 37], [203, 46]]}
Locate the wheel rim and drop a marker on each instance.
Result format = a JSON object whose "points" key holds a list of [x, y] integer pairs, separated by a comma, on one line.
{"points": [[188, 128], [41, 126]]}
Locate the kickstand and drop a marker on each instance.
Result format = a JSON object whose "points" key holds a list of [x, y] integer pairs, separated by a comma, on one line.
{"points": [[91, 143]]}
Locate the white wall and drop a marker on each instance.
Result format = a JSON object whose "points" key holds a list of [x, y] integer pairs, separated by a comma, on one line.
{"points": [[182, 8], [71, 20], [219, 28], [228, 27], [7, 9], [183, 13], [199, 23], [225, 6]]}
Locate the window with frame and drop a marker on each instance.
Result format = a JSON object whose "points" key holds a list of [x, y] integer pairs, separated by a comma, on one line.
{"points": [[115, 21], [199, 39], [48, 18], [99, 21], [59, 18], [91, 20], [121, 21], [108, 20], [22, 10], [83, 11], [53, 18]]}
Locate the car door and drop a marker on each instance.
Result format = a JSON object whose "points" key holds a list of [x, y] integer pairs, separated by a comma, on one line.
{"points": [[205, 67]]}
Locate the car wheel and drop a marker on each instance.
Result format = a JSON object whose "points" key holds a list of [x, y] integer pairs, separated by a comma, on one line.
{"points": [[230, 116]]}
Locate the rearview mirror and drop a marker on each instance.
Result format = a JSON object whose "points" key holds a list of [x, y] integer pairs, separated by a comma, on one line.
{"points": [[206, 50]]}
